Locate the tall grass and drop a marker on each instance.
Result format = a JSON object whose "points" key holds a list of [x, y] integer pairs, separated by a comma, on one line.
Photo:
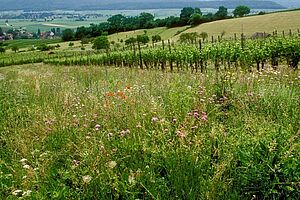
{"points": [[116, 133]]}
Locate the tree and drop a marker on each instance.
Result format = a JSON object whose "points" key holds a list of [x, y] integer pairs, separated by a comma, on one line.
{"points": [[101, 42], [146, 20], [198, 11], [186, 14], [172, 22], [222, 13], [2, 50], [188, 37], [130, 41], [203, 35], [241, 11], [1, 32], [143, 39], [156, 38], [117, 23], [195, 19], [80, 33], [15, 48], [67, 35]]}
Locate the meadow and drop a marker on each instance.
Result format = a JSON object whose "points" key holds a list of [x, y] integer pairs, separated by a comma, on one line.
{"points": [[90, 132]]}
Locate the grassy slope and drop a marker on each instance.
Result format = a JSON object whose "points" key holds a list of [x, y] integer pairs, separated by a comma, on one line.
{"points": [[164, 32], [249, 25]]}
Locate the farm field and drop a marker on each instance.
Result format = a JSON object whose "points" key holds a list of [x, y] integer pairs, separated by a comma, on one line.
{"points": [[33, 26], [281, 21]]}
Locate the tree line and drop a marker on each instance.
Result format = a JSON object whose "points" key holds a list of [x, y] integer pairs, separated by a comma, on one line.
{"points": [[120, 23]]}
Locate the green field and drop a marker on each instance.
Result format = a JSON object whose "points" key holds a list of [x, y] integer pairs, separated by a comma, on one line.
{"points": [[30, 42], [33, 26]]}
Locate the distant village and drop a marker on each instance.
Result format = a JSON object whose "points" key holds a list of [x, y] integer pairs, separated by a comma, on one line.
{"points": [[22, 33]]}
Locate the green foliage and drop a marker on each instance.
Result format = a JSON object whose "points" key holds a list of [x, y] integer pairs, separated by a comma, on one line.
{"points": [[146, 20], [130, 41], [156, 38], [222, 13], [188, 37], [45, 47], [144, 39], [101, 42], [203, 35], [71, 44], [2, 49], [241, 11], [186, 14], [15, 48], [195, 19], [67, 35]]}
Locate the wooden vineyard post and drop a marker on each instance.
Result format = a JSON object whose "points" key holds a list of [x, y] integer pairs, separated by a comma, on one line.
{"points": [[212, 39], [163, 44], [200, 45], [140, 55], [242, 41], [171, 60], [235, 37], [290, 32], [282, 33], [134, 55]]}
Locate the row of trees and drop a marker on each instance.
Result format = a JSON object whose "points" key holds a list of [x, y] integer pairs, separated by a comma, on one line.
{"points": [[120, 23]]}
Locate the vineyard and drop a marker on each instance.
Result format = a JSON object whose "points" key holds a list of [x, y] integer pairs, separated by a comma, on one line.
{"points": [[244, 54]]}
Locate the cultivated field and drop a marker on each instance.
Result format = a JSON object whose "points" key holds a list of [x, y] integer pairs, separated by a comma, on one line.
{"points": [[281, 21]]}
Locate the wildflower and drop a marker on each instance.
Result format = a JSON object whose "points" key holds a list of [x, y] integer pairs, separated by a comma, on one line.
{"points": [[17, 192], [87, 179], [112, 164], [204, 116], [174, 120], [131, 179], [23, 161], [110, 94], [26, 166], [75, 163], [139, 125], [122, 95], [26, 193], [194, 127], [154, 119], [189, 87], [97, 127], [196, 114], [180, 134], [124, 132]]}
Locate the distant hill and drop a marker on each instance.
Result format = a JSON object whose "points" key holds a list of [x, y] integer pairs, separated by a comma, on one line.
{"points": [[34, 5]]}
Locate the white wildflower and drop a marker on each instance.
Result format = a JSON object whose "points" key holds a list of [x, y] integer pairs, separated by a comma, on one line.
{"points": [[112, 164], [87, 179]]}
